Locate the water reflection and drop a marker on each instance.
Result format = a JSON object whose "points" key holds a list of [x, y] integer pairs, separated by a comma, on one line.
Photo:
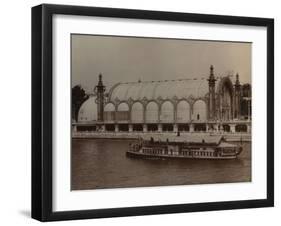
{"points": [[103, 164]]}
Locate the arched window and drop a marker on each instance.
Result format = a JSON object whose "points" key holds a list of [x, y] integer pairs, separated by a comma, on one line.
{"points": [[137, 112], [183, 111], [151, 113], [167, 112], [200, 110], [122, 113], [109, 112], [225, 99], [109, 107]]}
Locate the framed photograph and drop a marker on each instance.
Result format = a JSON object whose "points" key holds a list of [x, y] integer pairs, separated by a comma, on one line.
{"points": [[145, 112]]}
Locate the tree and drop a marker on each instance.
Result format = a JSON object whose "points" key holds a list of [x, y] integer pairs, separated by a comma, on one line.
{"points": [[78, 97]]}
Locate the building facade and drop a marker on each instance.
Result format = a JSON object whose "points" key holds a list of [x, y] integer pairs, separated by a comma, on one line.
{"points": [[201, 104]]}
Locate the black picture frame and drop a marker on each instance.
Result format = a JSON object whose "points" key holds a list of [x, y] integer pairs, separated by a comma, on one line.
{"points": [[42, 111]]}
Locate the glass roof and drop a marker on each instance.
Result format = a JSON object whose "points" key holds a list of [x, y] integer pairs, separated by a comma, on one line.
{"points": [[153, 90]]}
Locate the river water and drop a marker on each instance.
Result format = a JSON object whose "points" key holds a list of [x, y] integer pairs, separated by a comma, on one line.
{"points": [[102, 163]]}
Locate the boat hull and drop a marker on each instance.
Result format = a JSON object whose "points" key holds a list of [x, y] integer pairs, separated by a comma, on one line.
{"points": [[178, 147], [154, 156]]}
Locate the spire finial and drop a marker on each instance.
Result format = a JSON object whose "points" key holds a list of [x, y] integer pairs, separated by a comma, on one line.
{"points": [[237, 82], [100, 83], [211, 77], [212, 70]]}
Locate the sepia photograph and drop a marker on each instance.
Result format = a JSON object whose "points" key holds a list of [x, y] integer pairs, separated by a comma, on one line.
{"points": [[141, 112], [150, 111]]}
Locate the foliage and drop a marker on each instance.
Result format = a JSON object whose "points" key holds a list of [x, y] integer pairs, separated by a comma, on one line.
{"points": [[78, 97]]}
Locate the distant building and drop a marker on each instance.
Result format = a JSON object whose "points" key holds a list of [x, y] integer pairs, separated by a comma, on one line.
{"points": [[204, 104]]}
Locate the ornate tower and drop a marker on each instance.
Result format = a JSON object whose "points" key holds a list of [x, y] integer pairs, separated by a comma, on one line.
{"points": [[212, 94], [99, 90], [237, 97]]}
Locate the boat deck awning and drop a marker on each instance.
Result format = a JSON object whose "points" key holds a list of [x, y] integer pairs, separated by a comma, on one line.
{"points": [[186, 138]]}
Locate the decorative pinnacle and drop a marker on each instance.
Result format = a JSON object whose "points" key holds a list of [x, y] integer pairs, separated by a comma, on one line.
{"points": [[100, 83], [212, 77], [237, 83], [212, 70], [100, 80]]}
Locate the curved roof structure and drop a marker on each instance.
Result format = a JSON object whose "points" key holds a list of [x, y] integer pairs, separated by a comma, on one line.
{"points": [[88, 110], [168, 89]]}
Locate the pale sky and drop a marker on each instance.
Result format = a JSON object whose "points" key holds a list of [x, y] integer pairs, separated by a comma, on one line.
{"points": [[123, 59]]}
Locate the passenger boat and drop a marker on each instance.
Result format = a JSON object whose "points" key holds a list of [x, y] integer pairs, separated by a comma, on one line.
{"points": [[185, 147]]}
